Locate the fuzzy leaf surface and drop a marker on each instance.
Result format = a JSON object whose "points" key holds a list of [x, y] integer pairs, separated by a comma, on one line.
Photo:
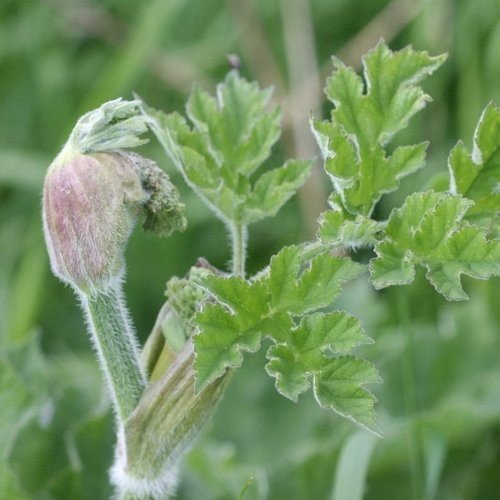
{"points": [[229, 327], [340, 388], [225, 142], [476, 174], [367, 114], [309, 349], [299, 290], [340, 228], [429, 230], [285, 305]]}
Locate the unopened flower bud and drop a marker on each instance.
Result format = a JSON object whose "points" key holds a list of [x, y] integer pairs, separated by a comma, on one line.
{"points": [[93, 198]]}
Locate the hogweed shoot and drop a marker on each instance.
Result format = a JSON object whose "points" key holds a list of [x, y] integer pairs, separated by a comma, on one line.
{"points": [[96, 190]]}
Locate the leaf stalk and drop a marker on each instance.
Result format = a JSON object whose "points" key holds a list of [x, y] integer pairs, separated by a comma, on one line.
{"points": [[239, 234]]}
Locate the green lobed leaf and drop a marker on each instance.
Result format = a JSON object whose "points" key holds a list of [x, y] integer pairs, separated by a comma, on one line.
{"points": [[429, 230], [316, 287], [340, 228], [367, 114], [229, 327], [274, 188], [476, 174], [339, 387], [229, 138], [309, 349], [284, 304]]}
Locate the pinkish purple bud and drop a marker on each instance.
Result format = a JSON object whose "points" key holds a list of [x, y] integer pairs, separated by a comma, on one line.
{"points": [[90, 206], [94, 193]]}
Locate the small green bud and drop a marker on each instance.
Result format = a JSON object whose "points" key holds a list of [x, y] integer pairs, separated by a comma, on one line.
{"points": [[163, 208], [185, 297], [93, 197]]}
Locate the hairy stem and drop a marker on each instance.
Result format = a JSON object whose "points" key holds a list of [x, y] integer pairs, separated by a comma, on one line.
{"points": [[116, 347], [239, 241], [165, 423]]}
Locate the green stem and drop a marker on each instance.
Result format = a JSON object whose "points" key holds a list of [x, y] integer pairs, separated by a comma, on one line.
{"points": [[239, 240], [116, 347]]}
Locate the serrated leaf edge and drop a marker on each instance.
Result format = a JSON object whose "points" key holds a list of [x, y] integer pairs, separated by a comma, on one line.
{"points": [[377, 380]]}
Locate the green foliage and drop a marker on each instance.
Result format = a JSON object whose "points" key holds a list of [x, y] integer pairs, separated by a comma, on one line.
{"points": [[429, 230], [476, 174], [366, 116], [453, 404], [40, 397], [310, 347], [228, 140], [218, 151], [339, 228], [115, 125], [447, 234], [314, 337]]}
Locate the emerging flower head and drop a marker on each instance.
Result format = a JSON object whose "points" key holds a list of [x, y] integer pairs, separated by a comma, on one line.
{"points": [[94, 193]]}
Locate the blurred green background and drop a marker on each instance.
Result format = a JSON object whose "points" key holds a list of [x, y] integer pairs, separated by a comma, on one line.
{"points": [[439, 405]]}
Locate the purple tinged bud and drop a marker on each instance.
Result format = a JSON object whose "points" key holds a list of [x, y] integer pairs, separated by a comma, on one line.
{"points": [[94, 193], [90, 206]]}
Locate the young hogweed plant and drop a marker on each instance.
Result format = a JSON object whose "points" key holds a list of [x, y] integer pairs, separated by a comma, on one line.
{"points": [[95, 191]]}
